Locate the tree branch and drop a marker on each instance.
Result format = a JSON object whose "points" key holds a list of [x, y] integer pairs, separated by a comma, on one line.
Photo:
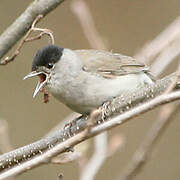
{"points": [[14, 32]]}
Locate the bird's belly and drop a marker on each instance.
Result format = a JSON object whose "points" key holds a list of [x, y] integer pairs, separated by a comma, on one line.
{"points": [[86, 96]]}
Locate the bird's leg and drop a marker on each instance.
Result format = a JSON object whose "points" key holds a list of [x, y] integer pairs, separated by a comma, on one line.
{"points": [[68, 126], [104, 109]]}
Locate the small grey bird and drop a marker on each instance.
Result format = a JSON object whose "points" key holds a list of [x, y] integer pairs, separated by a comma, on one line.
{"points": [[85, 79]]}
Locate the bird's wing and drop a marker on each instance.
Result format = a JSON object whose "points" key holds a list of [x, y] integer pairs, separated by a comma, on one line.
{"points": [[109, 65]]}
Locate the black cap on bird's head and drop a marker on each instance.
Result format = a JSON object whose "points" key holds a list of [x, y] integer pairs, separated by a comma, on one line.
{"points": [[47, 55], [43, 62]]}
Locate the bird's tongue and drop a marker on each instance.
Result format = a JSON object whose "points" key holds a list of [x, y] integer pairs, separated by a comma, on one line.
{"points": [[42, 77]]}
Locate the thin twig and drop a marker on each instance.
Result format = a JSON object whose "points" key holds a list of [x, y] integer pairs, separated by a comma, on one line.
{"points": [[17, 51], [5, 145], [84, 16], [153, 48], [26, 38], [166, 57], [116, 142], [174, 82]]}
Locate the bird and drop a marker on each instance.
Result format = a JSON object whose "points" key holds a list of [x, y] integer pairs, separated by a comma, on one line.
{"points": [[85, 79]]}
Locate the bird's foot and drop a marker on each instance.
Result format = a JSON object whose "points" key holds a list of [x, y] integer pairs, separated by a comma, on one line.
{"points": [[104, 111]]}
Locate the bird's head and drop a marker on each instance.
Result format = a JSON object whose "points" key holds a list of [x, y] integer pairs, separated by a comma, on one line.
{"points": [[44, 64]]}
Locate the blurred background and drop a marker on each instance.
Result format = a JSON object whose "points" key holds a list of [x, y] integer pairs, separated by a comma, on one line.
{"points": [[125, 26]]}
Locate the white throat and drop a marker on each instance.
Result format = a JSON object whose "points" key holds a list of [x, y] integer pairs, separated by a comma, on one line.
{"points": [[64, 74]]}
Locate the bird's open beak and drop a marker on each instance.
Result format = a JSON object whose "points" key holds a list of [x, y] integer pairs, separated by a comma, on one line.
{"points": [[41, 83]]}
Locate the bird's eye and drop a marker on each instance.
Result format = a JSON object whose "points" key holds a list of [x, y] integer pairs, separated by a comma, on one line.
{"points": [[50, 65]]}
